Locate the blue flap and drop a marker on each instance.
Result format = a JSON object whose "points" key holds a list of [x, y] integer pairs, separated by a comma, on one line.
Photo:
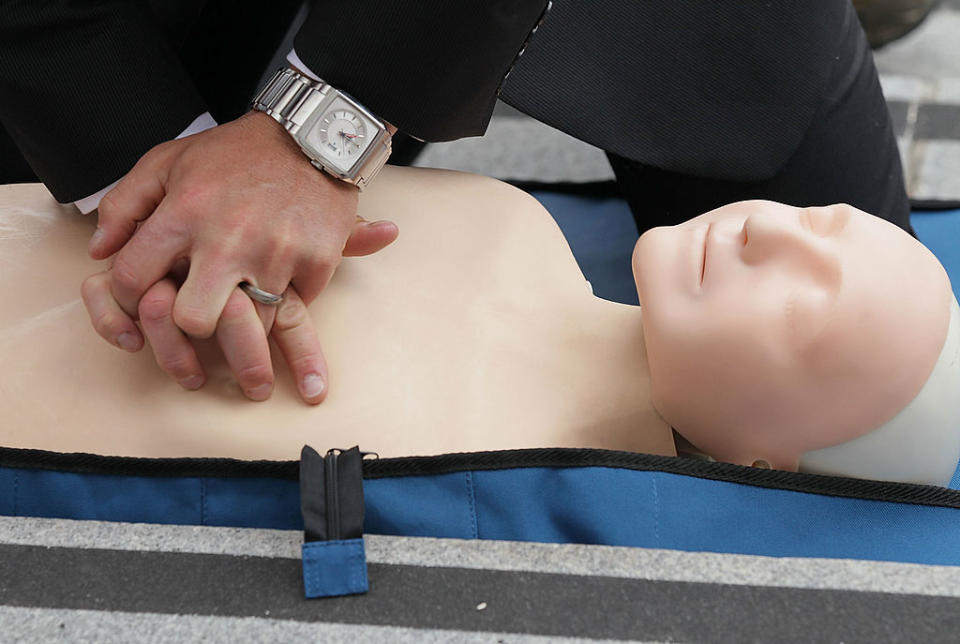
{"points": [[332, 568]]}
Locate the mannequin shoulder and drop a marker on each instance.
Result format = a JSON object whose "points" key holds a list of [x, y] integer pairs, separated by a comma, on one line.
{"points": [[437, 197]]}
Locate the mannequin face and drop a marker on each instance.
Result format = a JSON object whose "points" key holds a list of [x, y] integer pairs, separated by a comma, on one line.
{"points": [[773, 330]]}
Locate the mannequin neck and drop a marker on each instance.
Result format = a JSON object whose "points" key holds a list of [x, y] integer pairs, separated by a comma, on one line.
{"points": [[601, 347]]}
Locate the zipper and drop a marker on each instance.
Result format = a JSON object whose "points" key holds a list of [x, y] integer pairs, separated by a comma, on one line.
{"points": [[332, 494]]}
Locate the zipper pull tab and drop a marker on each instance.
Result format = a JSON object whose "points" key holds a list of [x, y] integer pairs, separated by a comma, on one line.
{"points": [[331, 501]]}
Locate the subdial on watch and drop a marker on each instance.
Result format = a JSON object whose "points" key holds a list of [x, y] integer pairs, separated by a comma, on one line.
{"points": [[343, 133]]}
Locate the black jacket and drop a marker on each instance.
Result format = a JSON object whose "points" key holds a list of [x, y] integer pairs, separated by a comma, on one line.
{"points": [[715, 89]]}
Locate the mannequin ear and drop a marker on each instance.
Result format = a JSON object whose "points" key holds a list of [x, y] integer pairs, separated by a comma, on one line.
{"points": [[367, 238], [786, 465]]}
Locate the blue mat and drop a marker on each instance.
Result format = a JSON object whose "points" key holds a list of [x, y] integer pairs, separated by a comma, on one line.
{"points": [[602, 234]]}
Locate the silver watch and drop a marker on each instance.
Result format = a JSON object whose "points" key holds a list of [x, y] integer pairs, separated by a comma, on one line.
{"points": [[338, 134]]}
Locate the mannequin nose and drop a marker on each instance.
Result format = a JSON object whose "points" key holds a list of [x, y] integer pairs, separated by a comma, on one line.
{"points": [[785, 239]]}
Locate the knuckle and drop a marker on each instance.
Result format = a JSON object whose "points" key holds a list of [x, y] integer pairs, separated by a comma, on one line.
{"points": [[124, 273], [194, 198], [237, 307], [109, 206], [193, 322], [306, 362], [290, 316], [93, 287], [255, 374], [108, 323], [178, 365], [155, 307]]}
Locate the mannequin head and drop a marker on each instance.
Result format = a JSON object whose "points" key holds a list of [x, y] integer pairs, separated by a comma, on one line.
{"points": [[775, 331]]}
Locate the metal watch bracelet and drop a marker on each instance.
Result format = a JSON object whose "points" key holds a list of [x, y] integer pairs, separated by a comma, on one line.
{"points": [[290, 98]]}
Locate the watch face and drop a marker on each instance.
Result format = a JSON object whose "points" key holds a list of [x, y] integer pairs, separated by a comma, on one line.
{"points": [[341, 134]]}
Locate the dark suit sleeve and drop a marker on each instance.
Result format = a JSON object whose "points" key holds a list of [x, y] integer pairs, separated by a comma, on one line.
{"points": [[431, 67], [86, 88]]}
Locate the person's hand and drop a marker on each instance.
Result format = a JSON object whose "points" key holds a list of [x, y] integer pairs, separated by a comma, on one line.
{"points": [[239, 334], [236, 203]]}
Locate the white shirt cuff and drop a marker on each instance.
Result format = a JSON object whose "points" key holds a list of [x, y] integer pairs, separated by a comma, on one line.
{"points": [[199, 124], [294, 60]]}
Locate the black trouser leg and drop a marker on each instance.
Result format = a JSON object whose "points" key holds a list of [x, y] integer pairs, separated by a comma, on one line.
{"points": [[848, 155]]}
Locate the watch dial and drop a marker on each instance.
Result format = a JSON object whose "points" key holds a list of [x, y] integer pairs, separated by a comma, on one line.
{"points": [[342, 134]]}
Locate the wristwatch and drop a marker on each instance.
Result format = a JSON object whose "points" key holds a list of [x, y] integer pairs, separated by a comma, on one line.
{"points": [[338, 134]]}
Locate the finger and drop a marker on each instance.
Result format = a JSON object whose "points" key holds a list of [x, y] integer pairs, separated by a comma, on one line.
{"points": [[109, 320], [310, 283], [171, 348], [241, 336], [132, 200], [268, 312], [367, 238], [148, 257], [297, 339]]}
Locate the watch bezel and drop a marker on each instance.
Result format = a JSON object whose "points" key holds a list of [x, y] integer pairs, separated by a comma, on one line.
{"points": [[303, 133]]}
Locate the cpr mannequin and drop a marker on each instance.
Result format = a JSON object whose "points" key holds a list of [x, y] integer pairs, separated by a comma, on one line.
{"points": [[476, 331]]}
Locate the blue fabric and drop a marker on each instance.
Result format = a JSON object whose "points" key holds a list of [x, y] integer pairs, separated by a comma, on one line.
{"points": [[564, 505], [601, 233], [421, 506], [253, 503], [940, 232], [332, 568]]}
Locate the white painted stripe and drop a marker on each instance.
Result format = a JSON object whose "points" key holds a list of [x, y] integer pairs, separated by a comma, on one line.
{"points": [[49, 624], [608, 561]]}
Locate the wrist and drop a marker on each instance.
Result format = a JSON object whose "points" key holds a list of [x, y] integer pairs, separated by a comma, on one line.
{"points": [[338, 134]]}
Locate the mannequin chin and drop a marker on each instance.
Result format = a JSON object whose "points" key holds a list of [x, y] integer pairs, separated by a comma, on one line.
{"points": [[775, 332]]}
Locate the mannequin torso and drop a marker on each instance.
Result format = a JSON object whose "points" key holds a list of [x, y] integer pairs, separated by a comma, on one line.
{"points": [[475, 330]]}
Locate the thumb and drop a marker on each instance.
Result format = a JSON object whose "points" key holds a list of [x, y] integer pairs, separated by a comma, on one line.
{"points": [[132, 200], [367, 238]]}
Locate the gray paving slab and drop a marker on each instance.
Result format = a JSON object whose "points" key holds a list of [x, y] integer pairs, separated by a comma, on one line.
{"points": [[518, 147], [948, 89], [937, 175], [898, 114], [507, 556], [931, 51], [904, 88], [81, 626], [937, 121]]}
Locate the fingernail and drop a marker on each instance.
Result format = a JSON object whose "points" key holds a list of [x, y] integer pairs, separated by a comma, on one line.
{"points": [[96, 239], [260, 392], [192, 382], [313, 385], [128, 341]]}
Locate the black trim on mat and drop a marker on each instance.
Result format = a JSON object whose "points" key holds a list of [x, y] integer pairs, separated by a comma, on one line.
{"points": [[35, 459], [497, 460], [934, 204]]}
